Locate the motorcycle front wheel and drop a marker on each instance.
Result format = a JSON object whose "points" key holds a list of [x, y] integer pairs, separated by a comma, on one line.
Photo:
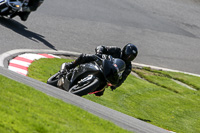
{"points": [[84, 89], [53, 80]]}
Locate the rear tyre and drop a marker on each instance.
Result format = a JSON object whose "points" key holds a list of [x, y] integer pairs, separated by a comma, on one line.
{"points": [[53, 80], [84, 89]]}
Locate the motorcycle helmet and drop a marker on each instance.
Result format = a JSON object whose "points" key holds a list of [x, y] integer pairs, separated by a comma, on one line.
{"points": [[129, 52]]}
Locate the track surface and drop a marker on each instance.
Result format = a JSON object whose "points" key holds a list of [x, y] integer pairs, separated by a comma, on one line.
{"points": [[167, 33]]}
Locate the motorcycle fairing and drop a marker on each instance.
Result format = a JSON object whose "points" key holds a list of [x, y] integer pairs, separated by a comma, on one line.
{"points": [[80, 72], [84, 68]]}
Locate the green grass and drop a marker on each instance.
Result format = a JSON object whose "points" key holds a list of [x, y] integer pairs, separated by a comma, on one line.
{"points": [[160, 101], [190, 80], [44, 68], [162, 80], [26, 110]]}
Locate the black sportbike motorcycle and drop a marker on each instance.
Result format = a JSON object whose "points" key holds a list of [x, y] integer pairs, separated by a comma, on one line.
{"points": [[89, 78], [9, 8]]}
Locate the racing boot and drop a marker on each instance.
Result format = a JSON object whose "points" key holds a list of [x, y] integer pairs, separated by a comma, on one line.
{"points": [[70, 65], [67, 66]]}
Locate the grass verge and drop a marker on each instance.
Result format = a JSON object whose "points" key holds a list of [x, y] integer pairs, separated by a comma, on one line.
{"points": [[26, 110], [157, 100]]}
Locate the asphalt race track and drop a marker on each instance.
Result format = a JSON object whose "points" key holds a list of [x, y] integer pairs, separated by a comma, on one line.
{"points": [[167, 33]]}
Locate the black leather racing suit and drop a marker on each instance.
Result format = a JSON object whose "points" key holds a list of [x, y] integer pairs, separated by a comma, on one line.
{"points": [[108, 50], [116, 53]]}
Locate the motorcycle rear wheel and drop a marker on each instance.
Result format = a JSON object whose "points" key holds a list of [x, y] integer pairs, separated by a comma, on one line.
{"points": [[86, 88]]}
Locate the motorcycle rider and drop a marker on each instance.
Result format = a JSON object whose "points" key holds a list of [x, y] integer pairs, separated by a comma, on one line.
{"points": [[32, 6], [127, 54]]}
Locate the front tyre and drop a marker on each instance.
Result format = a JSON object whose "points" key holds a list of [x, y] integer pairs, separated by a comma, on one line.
{"points": [[53, 80], [86, 88]]}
